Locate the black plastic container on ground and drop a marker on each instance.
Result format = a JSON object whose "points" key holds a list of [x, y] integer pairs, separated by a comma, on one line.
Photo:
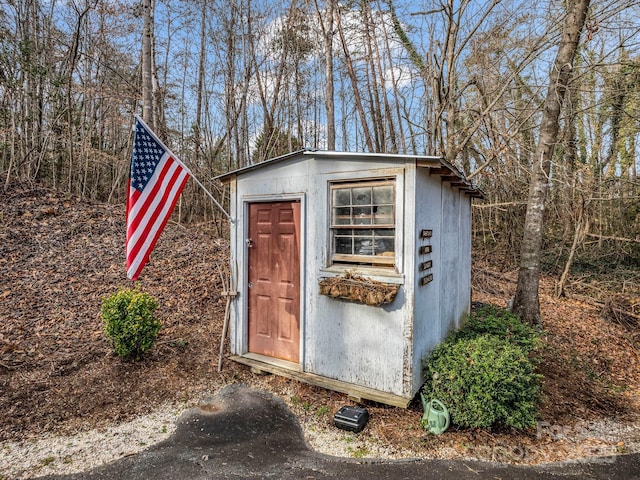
{"points": [[350, 418]]}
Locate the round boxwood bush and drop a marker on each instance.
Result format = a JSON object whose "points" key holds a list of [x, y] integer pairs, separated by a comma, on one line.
{"points": [[129, 322], [502, 323], [484, 381]]}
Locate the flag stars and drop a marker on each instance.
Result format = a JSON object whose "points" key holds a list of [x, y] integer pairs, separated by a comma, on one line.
{"points": [[146, 155]]}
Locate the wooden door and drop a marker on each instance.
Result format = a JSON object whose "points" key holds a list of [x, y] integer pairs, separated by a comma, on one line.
{"points": [[274, 279]]}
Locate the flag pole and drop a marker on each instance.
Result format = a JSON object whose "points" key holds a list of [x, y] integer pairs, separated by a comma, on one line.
{"points": [[152, 133], [212, 198]]}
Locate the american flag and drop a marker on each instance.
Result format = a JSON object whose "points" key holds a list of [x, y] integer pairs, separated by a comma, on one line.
{"points": [[156, 180]]}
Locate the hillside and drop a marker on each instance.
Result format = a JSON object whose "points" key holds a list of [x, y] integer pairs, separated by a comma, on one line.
{"points": [[60, 256]]}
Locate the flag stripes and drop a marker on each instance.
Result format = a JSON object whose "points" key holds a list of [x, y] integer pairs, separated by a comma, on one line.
{"points": [[157, 178]]}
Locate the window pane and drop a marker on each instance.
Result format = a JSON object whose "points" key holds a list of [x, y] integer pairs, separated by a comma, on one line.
{"points": [[384, 215], [385, 245], [363, 246], [342, 216], [371, 246], [344, 245], [385, 232], [341, 197], [362, 196], [383, 195], [362, 215]]}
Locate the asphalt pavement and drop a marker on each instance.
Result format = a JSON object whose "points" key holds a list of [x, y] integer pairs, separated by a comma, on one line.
{"points": [[244, 433]]}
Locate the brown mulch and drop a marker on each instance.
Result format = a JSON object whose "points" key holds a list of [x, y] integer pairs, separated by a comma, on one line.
{"points": [[60, 256]]}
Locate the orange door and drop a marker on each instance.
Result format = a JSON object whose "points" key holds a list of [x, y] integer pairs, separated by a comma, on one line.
{"points": [[274, 279]]}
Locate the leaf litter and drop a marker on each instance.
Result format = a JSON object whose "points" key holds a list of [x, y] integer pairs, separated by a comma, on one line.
{"points": [[61, 255]]}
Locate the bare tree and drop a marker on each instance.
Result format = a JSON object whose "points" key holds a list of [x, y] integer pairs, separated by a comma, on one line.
{"points": [[459, 78], [526, 301], [148, 110], [197, 134], [354, 83], [326, 25], [71, 63]]}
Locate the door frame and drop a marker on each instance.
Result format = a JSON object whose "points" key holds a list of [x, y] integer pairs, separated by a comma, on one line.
{"points": [[242, 335]]}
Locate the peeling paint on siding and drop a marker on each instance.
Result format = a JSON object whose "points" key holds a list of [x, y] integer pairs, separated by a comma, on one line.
{"points": [[376, 347]]}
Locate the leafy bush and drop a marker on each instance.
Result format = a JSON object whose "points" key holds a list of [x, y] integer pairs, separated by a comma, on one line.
{"points": [[502, 323], [483, 372], [129, 322]]}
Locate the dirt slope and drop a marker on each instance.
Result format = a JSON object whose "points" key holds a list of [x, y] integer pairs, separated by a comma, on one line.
{"points": [[59, 257]]}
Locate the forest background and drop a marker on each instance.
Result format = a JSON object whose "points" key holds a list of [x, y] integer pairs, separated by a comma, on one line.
{"points": [[235, 82]]}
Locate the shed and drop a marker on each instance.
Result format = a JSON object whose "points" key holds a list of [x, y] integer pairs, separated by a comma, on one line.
{"points": [[351, 267]]}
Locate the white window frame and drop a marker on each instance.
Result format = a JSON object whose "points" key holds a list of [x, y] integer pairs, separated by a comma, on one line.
{"points": [[368, 223]]}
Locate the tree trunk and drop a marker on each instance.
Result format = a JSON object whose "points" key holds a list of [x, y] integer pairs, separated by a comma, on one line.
{"points": [[147, 64], [329, 102], [199, 94], [72, 60], [354, 84], [526, 301]]}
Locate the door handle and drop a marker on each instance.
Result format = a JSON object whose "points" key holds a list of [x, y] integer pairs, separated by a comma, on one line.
{"points": [[249, 242], [250, 284]]}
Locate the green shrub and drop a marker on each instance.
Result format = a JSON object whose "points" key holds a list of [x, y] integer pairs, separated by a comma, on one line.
{"points": [[484, 381], [129, 322], [501, 323], [484, 372]]}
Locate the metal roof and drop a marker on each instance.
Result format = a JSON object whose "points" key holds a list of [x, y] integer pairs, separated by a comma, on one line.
{"points": [[437, 165]]}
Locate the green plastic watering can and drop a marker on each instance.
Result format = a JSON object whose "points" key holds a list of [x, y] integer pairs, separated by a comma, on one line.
{"points": [[436, 416]]}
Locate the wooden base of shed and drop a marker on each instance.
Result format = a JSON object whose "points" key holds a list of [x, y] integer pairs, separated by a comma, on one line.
{"points": [[355, 392]]}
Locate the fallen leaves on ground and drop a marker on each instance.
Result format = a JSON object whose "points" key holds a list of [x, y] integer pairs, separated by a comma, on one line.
{"points": [[60, 256]]}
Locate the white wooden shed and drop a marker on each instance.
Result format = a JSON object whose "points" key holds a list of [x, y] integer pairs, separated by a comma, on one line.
{"points": [[353, 222]]}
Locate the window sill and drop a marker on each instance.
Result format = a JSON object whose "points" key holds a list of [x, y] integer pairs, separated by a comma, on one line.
{"points": [[380, 274]]}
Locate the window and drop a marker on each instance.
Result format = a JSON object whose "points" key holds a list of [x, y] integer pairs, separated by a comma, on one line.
{"points": [[363, 225]]}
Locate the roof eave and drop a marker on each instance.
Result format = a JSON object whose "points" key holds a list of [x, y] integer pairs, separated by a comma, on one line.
{"points": [[437, 165]]}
